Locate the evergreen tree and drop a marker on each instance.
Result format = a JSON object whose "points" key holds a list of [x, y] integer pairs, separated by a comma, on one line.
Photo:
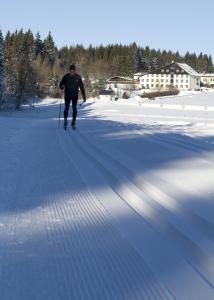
{"points": [[39, 47], [138, 61], [50, 50], [19, 51], [2, 69], [210, 64], [54, 78]]}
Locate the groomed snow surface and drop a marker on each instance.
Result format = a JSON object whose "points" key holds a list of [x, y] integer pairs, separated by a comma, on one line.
{"points": [[122, 208]]}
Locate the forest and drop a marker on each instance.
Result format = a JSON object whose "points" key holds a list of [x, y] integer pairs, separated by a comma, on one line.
{"points": [[32, 67]]}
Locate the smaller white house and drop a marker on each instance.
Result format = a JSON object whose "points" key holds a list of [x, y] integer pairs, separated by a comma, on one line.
{"points": [[207, 79], [121, 83], [105, 95]]}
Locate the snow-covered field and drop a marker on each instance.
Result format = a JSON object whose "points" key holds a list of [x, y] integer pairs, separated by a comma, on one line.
{"points": [[123, 208]]}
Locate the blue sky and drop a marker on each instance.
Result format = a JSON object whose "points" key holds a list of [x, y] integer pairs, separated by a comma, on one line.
{"points": [[176, 25]]}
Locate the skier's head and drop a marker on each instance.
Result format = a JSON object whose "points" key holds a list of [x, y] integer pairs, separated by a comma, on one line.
{"points": [[72, 68]]}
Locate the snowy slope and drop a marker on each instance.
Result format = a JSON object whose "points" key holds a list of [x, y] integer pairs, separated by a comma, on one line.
{"points": [[120, 209]]}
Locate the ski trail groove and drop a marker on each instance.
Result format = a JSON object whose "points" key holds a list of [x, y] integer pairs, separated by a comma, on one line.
{"points": [[95, 162], [131, 252], [184, 241]]}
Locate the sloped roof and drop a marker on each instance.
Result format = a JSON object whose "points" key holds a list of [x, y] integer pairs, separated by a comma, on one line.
{"points": [[188, 69], [120, 79], [206, 74]]}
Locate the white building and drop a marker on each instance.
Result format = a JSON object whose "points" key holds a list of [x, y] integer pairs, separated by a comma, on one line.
{"points": [[138, 75], [207, 79], [178, 75]]}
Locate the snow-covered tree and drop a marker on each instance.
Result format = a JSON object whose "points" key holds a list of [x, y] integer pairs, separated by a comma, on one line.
{"points": [[50, 50], [2, 68], [54, 79]]}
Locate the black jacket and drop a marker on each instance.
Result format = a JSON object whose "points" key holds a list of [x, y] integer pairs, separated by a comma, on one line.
{"points": [[72, 84]]}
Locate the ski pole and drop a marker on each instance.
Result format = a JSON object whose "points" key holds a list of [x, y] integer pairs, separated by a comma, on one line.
{"points": [[81, 103], [60, 107]]}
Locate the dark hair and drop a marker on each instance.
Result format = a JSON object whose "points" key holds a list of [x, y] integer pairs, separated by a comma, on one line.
{"points": [[72, 67]]}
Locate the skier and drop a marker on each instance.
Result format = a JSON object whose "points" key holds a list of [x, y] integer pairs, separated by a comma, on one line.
{"points": [[70, 83]]}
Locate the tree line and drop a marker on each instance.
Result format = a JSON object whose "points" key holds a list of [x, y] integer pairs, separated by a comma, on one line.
{"points": [[30, 66]]}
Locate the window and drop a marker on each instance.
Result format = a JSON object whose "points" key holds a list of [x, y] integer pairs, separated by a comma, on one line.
{"points": [[157, 80], [177, 71], [182, 81], [176, 80], [162, 70], [161, 80], [187, 81], [157, 85], [147, 80], [167, 70], [187, 86], [152, 85], [152, 80], [181, 85]]}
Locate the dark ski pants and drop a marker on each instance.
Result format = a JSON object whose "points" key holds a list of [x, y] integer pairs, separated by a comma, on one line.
{"points": [[68, 101]]}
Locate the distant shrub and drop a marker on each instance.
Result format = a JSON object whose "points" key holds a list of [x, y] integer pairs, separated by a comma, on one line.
{"points": [[125, 95], [153, 95]]}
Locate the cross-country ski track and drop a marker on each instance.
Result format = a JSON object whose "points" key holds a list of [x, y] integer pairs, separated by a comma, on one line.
{"points": [[121, 208]]}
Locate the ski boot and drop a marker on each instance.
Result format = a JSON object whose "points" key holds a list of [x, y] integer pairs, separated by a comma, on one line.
{"points": [[65, 124]]}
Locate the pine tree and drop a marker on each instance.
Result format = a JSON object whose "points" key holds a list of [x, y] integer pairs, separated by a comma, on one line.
{"points": [[20, 53], [138, 61], [54, 79], [154, 60], [50, 50], [2, 69], [9, 64], [39, 47], [210, 64]]}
